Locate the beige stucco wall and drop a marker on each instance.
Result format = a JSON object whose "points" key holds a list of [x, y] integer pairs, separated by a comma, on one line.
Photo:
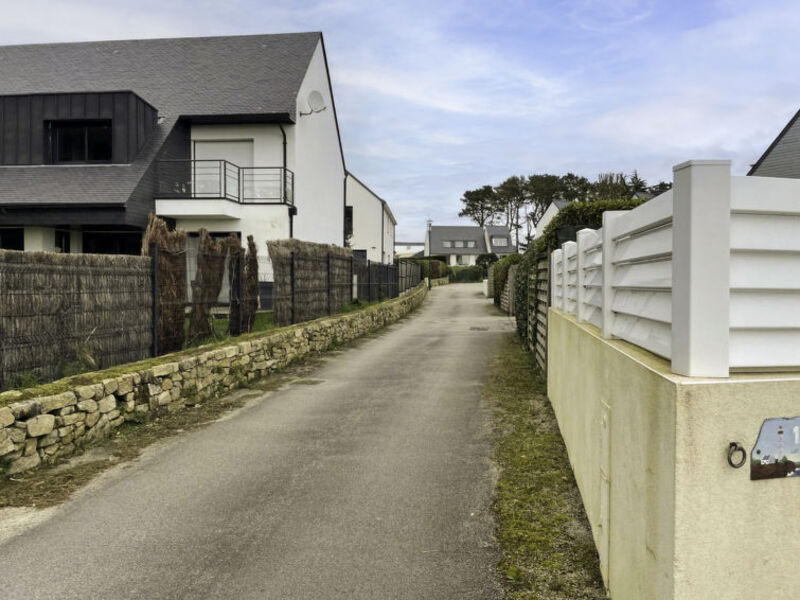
{"points": [[587, 379], [679, 522]]}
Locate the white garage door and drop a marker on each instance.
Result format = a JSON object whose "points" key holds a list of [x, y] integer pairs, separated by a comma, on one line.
{"points": [[214, 179]]}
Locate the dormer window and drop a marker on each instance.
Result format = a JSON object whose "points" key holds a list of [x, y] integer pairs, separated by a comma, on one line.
{"points": [[81, 141], [499, 241]]}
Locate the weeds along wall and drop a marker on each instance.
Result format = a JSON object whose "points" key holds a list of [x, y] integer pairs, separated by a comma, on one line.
{"points": [[66, 313], [53, 421]]}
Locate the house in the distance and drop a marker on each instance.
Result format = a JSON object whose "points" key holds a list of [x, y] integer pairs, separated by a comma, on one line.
{"points": [[409, 249], [232, 134], [549, 213], [782, 157], [369, 222], [463, 244]]}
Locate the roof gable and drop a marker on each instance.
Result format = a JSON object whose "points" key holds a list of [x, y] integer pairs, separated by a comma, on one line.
{"points": [[247, 75], [782, 157]]}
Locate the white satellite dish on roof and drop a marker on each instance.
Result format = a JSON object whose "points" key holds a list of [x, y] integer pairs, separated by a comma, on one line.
{"points": [[316, 103]]}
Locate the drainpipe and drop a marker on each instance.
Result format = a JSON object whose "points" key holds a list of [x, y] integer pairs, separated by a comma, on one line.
{"points": [[292, 208]]}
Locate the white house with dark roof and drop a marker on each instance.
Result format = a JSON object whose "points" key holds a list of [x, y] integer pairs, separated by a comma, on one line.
{"points": [[782, 156], [369, 221], [463, 244], [234, 134], [550, 212]]}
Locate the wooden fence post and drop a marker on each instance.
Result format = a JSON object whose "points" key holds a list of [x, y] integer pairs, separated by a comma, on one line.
{"points": [[701, 226], [291, 277], [329, 283], [154, 291]]}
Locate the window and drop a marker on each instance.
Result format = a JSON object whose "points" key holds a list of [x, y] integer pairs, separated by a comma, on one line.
{"points": [[447, 244], [348, 221], [471, 244], [462, 259], [62, 241], [12, 239], [499, 241], [82, 141], [459, 244]]}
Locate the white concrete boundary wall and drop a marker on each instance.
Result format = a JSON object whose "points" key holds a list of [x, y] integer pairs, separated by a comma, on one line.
{"points": [[706, 275]]}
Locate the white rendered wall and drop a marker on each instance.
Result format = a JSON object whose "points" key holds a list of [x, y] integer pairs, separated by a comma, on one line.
{"points": [[267, 141], [388, 236], [453, 260], [263, 222], [41, 239], [367, 219], [406, 249], [548, 215], [319, 168]]}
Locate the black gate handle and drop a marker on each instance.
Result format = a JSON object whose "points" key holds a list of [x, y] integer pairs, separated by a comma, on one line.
{"points": [[733, 448]]}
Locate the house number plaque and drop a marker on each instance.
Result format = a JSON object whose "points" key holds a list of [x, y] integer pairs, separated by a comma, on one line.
{"points": [[777, 450]]}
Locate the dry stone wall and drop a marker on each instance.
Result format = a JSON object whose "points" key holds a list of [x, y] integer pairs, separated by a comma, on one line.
{"points": [[42, 429]]}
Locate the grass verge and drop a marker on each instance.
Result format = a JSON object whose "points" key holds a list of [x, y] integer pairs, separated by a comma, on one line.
{"points": [[545, 539]]}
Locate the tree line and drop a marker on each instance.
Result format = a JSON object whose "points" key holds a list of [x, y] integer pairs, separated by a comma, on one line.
{"points": [[520, 201]]}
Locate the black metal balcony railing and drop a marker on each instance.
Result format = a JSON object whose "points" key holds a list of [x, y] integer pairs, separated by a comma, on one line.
{"points": [[215, 179]]}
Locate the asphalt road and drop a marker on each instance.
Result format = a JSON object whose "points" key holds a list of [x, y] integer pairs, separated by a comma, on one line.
{"points": [[371, 478]]}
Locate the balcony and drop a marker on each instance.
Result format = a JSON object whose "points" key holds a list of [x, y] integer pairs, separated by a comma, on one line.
{"points": [[223, 180]]}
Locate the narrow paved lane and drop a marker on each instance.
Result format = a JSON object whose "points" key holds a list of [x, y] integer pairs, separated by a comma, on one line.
{"points": [[370, 480]]}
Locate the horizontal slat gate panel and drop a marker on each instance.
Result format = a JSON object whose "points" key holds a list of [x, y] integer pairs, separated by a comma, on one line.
{"points": [[764, 348], [652, 213], [657, 242], [763, 233], [765, 309], [654, 306], [650, 335], [764, 271], [652, 275], [765, 195]]}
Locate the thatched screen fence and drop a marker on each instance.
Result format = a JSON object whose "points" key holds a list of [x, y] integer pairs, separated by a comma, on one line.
{"points": [[61, 314], [315, 280]]}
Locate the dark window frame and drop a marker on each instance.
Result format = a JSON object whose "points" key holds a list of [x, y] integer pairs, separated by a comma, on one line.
{"points": [[55, 128]]}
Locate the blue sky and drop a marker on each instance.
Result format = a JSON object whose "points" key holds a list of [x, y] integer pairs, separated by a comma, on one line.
{"points": [[437, 97]]}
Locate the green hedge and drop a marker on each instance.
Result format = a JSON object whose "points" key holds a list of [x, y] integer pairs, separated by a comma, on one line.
{"points": [[569, 220], [438, 267], [466, 274], [501, 274]]}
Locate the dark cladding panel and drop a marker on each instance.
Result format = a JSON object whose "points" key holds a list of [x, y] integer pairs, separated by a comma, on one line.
{"points": [[131, 129], [106, 106], [24, 130], [77, 109], [64, 106], [141, 125], [119, 129], [24, 120], [50, 103], [37, 130], [93, 106], [10, 130]]}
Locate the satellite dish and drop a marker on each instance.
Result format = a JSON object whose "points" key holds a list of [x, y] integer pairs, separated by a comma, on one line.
{"points": [[316, 102]]}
